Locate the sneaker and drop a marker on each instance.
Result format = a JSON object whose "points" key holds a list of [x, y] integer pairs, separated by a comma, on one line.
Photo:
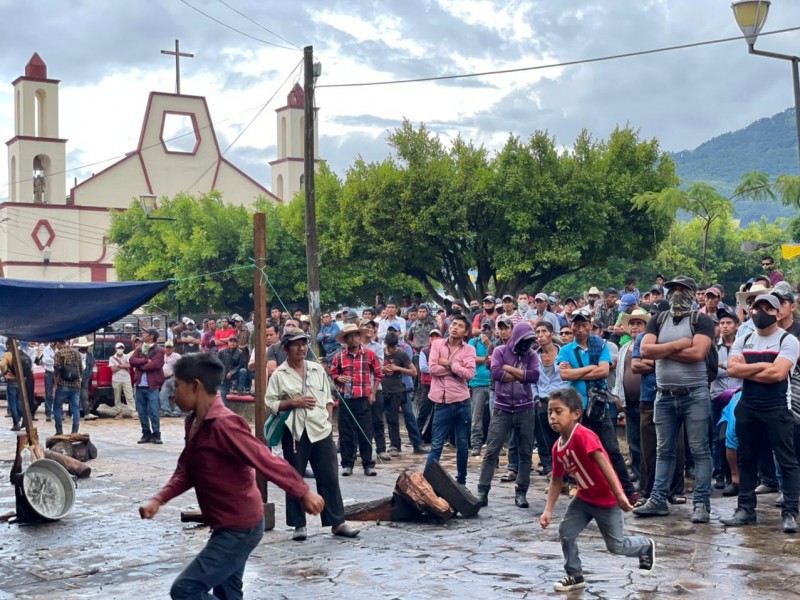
{"points": [[157, 438], [347, 471], [740, 517], [730, 490], [145, 439], [476, 451], [652, 508], [385, 456], [719, 482], [300, 534], [648, 561], [570, 582], [765, 489], [779, 500], [394, 451], [789, 524], [700, 514]]}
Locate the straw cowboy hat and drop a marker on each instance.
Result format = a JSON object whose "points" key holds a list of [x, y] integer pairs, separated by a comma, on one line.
{"points": [[636, 315], [82, 342], [347, 330], [756, 290]]}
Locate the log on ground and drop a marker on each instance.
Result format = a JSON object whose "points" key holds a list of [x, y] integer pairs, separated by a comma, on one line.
{"points": [[457, 495], [414, 488]]}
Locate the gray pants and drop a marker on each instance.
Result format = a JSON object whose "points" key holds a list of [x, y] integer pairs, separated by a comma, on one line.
{"points": [[610, 521], [480, 398], [501, 425]]}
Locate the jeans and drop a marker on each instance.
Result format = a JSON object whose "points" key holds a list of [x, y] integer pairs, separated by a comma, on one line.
{"points": [[73, 396], [165, 397], [693, 410], [225, 388], [49, 387], [411, 420], [648, 444], [610, 522], [147, 405], [606, 430], [758, 428], [245, 380], [457, 414], [12, 391], [633, 435], [522, 424], [219, 566], [479, 397]]}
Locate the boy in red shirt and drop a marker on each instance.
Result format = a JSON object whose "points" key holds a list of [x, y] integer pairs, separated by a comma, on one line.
{"points": [[579, 454]]}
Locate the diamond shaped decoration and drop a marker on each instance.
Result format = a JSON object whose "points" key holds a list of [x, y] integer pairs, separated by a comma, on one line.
{"points": [[43, 234]]}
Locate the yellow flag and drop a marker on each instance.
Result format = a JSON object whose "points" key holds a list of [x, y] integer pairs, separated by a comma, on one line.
{"points": [[790, 250]]}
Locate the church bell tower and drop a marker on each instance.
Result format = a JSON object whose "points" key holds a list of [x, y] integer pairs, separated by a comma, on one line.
{"points": [[288, 169], [36, 155]]}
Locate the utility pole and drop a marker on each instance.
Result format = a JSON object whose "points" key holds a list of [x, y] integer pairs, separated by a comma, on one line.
{"points": [[311, 205]]}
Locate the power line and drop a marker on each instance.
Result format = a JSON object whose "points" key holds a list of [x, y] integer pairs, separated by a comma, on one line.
{"points": [[252, 37], [570, 63], [246, 127], [67, 226], [254, 22]]}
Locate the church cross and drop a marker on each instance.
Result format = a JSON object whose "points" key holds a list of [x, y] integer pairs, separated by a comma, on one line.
{"points": [[177, 54]]}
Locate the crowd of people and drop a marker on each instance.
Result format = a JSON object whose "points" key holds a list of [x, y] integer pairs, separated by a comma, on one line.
{"points": [[702, 384]]}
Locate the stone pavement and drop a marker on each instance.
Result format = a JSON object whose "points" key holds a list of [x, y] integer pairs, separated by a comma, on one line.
{"points": [[103, 550]]}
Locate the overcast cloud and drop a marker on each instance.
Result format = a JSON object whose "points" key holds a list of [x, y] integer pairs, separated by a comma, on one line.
{"points": [[106, 55]]}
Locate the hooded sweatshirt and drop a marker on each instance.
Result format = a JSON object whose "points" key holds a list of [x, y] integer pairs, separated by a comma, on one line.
{"points": [[515, 396]]}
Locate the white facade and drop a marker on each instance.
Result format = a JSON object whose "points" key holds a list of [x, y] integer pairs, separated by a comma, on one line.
{"points": [[177, 152]]}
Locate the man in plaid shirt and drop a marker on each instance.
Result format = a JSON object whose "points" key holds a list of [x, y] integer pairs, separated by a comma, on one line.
{"points": [[351, 369], [67, 390]]}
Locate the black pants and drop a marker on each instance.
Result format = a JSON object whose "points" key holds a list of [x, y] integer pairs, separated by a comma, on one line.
{"points": [[757, 428], [607, 432], [649, 446], [425, 414], [355, 430], [378, 434], [545, 436], [392, 403], [322, 456]]}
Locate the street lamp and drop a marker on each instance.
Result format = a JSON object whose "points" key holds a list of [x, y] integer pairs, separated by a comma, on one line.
{"points": [[751, 16], [148, 202]]}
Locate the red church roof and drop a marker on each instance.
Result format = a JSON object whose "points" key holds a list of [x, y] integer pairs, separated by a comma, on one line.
{"points": [[36, 69], [296, 98]]}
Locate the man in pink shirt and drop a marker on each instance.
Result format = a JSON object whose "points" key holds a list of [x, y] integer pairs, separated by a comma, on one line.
{"points": [[219, 462], [452, 365]]}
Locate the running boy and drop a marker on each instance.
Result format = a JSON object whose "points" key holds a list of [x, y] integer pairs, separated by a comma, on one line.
{"points": [[219, 461], [579, 454]]}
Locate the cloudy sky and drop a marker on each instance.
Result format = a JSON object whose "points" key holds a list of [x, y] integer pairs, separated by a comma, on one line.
{"points": [[106, 55]]}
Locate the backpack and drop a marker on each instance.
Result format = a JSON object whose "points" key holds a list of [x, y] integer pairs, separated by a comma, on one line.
{"points": [[27, 366], [69, 372], [712, 358]]}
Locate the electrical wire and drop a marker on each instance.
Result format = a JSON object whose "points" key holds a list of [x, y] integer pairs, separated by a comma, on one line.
{"points": [[241, 133], [256, 23], [252, 37], [62, 223], [569, 63], [25, 221]]}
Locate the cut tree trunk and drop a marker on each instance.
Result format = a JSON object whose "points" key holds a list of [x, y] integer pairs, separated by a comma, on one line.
{"points": [[414, 488], [72, 465], [458, 496]]}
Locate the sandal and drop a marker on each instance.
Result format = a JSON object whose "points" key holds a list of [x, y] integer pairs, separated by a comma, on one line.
{"points": [[509, 476], [677, 499]]}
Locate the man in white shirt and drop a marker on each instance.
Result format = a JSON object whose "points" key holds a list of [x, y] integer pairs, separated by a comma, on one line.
{"points": [[121, 380], [47, 359], [391, 319], [168, 408]]}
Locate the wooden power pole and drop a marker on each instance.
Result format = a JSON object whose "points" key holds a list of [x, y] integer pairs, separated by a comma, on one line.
{"points": [[260, 348], [311, 204]]}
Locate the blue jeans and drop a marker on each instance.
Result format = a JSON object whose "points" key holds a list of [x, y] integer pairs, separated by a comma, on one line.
{"points": [[147, 405], [73, 396], [219, 566], [14, 406], [167, 405], [49, 386], [245, 379], [457, 414], [693, 409], [610, 522]]}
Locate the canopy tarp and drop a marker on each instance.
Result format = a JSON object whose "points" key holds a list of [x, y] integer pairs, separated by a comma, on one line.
{"points": [[44, 310]]}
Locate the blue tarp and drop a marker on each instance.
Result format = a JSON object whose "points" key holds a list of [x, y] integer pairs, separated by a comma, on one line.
{"points": [[43, 310]]}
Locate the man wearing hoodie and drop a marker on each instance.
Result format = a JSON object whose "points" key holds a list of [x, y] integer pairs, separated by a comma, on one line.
{"points": [[515, 366]]}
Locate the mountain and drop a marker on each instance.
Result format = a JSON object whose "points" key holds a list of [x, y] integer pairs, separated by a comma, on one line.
{"points": [[768, 145]]}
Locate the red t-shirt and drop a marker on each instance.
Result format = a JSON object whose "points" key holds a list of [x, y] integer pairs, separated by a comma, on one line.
{"points": [[223, 334], [575, 458]]}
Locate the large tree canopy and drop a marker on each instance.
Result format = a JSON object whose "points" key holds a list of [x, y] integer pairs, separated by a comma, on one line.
{"points": [[469, 222]]}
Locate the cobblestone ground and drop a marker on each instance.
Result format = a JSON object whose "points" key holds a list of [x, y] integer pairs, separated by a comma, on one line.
{"points": [[103, 550]]}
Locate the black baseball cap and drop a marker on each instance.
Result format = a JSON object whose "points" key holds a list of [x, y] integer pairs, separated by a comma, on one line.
{"points": [[683, 280]]}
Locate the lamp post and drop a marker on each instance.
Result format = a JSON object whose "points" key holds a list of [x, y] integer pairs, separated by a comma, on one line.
{"points": [[148, 202], [751, 16]]}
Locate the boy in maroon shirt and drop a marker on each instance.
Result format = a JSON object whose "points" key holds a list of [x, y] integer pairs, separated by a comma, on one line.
{"points": [[579, 454], [220, 460]]}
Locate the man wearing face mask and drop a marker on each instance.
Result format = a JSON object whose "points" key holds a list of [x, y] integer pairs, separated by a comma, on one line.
{"points": [[764, 361], [679, 341], [121, 380], [515, 366], [487, 313]]}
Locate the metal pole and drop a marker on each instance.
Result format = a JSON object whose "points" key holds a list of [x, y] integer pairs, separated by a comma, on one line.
{"points": [[796, 78], [311, 208]]}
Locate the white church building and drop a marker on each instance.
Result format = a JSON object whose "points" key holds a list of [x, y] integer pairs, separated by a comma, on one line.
{"points": [[47, 233]]}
